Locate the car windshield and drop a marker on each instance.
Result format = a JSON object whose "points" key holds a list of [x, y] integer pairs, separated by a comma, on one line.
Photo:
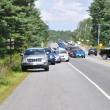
{"points": [[34, 52]]}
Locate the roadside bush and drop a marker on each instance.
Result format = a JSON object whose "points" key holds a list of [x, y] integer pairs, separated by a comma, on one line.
{"points": [[4, 81], [4, 61], [6, 67], [16, 67], [16, 63]]}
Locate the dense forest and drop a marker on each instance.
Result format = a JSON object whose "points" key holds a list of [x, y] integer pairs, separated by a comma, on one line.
{"points": [[97, 25], [20, 20], [57, 35]]}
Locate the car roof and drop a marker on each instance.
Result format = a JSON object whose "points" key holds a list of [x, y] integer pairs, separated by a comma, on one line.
{"points": [[107, 48], [93, 49], [34, 48]]}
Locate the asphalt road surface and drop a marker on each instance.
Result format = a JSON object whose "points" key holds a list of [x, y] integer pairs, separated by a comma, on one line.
{"points": [[82, 84]]}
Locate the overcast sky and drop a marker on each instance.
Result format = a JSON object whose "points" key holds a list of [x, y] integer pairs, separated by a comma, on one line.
{"points": [[63, 14]]}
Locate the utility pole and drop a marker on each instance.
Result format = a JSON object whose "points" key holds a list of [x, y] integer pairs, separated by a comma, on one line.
{"points": [[99, 29]]}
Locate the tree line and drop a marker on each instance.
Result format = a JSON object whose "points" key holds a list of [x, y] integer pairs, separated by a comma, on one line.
{"points": [[20, 20], [57, 35], [88, 29]]}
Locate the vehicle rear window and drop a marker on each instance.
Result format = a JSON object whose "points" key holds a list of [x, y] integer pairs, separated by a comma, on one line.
{"points": [[78, 50], [62, 51], [93, 49], [34, 52]]}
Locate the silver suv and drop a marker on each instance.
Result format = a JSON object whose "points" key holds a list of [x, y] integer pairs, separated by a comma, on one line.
{"points": [[34, 58]]}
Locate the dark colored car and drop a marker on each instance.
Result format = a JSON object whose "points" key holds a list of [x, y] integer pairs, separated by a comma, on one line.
{"points": [[92, 51], [51, 56], [105, 53], [78, 53]]}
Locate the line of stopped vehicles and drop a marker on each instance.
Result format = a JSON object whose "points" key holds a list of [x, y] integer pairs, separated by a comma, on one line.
{"points": [[35, 58]]}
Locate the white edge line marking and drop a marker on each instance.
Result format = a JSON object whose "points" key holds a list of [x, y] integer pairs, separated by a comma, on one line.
{"points": [[100, 89]]}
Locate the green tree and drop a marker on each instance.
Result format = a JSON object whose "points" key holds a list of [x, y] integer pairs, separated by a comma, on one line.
{"points": [[83, 32], [20, 19], [100, 13], [106, 26], [56, 35]]}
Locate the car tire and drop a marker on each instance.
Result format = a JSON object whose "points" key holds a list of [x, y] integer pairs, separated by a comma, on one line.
{"points": [[53, 63], [104, 57], [59, 61], [95, 54], [47, 68], [67, 60]]}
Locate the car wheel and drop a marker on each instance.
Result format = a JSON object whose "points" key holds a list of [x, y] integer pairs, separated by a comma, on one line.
{"points": [[53, 63], [59, 61], [67, 60], [104, 57], [47, 68]]}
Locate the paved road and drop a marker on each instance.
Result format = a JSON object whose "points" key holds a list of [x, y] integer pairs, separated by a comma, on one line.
{"points": [[96, 70], [63, 88]]}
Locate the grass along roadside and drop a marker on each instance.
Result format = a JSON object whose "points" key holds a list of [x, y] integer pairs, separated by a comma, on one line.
{"points": [[9, 82]]}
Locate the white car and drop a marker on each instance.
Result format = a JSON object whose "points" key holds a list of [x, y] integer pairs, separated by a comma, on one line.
{"points": [[63, 55]]}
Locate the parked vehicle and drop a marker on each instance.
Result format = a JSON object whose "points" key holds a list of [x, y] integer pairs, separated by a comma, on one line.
{"points": [[105, 53], [34, 58], [92, 51], [51, 56], [77, 53], [61, 44], [63, 54], [57, 57], [72, 48]]}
